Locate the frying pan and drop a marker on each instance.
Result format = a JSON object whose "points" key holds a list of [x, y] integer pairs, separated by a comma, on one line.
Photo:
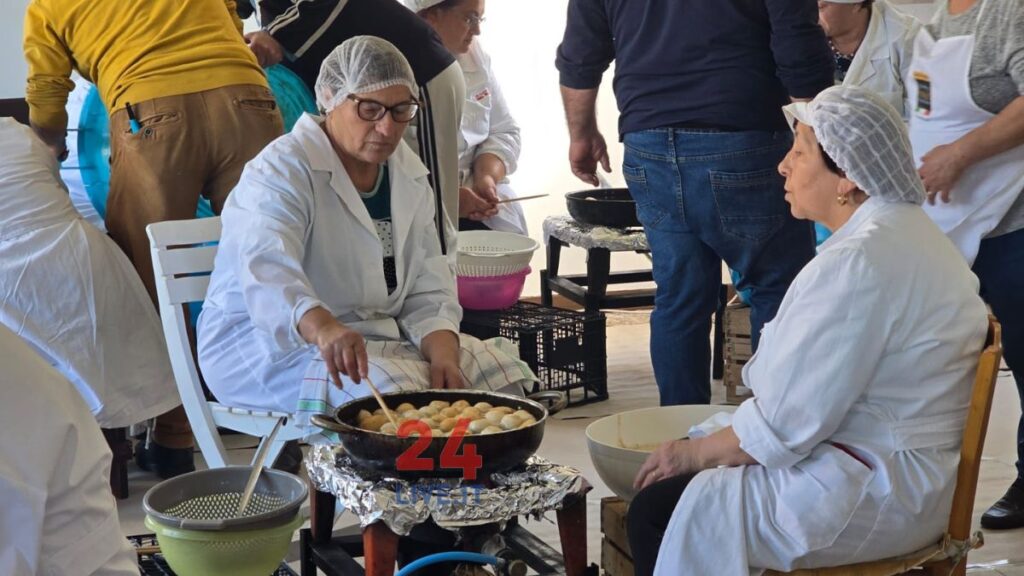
{"points": [[498, 452], [612, 207]]}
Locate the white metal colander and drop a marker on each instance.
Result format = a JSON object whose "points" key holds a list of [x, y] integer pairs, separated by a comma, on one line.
{"points": [[493, 253]]}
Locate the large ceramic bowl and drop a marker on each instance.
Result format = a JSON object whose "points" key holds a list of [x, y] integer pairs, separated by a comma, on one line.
{"points": [[619, 444]]}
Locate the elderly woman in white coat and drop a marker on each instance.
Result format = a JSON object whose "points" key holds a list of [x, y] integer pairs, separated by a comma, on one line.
{"points": [[490, 144], [871, 43], [330, 269], [71, 293], [848, 450]]}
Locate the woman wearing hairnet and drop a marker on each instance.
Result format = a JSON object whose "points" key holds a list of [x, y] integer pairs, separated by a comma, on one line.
{"points": [[871, 42], [490, 144], [848, 450], [966, 103], [330, 269]]}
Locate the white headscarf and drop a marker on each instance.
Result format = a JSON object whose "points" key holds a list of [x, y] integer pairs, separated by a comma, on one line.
{"points": [[421, 5], [866, 138], [361, 64]]}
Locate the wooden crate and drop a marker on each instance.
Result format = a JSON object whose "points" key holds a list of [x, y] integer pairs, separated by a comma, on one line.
{"points": [[616, 559], [736, 351]]}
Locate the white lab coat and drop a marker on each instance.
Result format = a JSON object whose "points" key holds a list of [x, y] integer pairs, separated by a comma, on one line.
{"points": [[296, 236], [58, 516], [69, 291], [882, 61], [874, 346], [488, 127]]}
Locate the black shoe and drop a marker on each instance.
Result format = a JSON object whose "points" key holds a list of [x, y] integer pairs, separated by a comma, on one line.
{"points": [[165, 462], [290, 458], [1008, 512]]}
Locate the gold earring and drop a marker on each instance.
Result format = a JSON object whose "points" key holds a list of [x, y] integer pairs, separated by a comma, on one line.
{"points": [[843, 199]]}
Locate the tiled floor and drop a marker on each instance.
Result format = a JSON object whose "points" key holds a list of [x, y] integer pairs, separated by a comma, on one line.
{"points": [[631, 385]]}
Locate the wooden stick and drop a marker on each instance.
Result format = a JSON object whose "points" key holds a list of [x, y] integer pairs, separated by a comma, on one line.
{"points": [[147, 550], [507, 200], [383, 406]]}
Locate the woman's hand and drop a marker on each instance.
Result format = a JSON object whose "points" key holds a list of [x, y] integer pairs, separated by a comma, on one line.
{"points": [[342, 348], [441, 350], [941, 169], [474, 207], [673, 458], [486, 187]]}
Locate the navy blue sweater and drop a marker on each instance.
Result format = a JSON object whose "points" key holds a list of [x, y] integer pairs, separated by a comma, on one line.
{"points": [[726, 64]]}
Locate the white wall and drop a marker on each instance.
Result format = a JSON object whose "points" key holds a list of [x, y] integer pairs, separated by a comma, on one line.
{"points": [[12, 64]]}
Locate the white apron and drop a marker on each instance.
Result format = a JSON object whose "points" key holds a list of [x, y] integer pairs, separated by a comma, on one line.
{"points": [[986, 190]]}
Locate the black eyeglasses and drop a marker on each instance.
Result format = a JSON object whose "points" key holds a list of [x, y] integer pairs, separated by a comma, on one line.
{"points": [[372, 111]]}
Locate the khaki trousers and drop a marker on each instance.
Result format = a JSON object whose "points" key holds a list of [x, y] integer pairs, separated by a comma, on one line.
{"points": [[188, 146]]}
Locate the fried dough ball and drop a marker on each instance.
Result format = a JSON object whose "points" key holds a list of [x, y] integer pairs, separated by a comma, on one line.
{"points": [[412, 414], [483, 406], [374, 423], [471, 413], [363, 415], [448, 424], [494, 416], [477, 426], [523, 414], [491, 430], [389, 429], [404, 407], [504, 409], [460, 404], [429, 411], [511, 422], [439, 404], [434, 424], [451, 412], [527, 423]]}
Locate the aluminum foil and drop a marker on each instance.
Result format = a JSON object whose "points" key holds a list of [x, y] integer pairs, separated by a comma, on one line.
{"points": [[538, 487]]}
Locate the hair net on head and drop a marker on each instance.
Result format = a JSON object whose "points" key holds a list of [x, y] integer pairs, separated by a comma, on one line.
{"points": [[361, 64], [866, 138], [420, 5]]}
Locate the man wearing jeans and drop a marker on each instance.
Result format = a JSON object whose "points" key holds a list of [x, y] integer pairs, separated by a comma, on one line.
{"points": [[700, 85]]}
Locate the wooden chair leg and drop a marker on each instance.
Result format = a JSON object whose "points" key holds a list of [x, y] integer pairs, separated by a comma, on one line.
{"points": [[572, 531], [380, 549], [321, 515], [121, 451]]}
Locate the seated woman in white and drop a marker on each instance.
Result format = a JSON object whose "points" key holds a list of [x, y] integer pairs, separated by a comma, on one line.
{"points": [[330, 269], [71, 294], [490, 147], [848, 450], [58, 515]]}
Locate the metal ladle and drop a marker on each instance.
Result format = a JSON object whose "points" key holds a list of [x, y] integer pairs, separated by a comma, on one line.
{"points": [[257, 467]]}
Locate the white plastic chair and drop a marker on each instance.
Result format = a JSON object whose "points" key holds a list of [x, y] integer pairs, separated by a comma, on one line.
{"points": [[182, 260]]}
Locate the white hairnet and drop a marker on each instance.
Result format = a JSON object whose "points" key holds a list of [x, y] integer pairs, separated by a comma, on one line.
{"points": [[361, 64], [866, 138], [420, 5]]}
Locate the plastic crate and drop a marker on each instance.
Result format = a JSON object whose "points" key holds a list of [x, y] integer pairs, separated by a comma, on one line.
{"points": [[155, 565], [565, 348]]}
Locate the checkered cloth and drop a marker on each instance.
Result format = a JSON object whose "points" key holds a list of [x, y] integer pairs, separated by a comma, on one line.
{"points": [[492, 365]]}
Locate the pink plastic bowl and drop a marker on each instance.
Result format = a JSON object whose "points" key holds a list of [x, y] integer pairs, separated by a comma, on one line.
{"points": [[491, 292]]}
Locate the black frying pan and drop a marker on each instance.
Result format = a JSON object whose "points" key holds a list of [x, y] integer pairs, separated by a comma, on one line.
{"points": [[612, 207], [499, 452]]}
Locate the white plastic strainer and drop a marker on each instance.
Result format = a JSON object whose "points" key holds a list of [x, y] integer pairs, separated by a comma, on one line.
{"points": [[493, 253]]}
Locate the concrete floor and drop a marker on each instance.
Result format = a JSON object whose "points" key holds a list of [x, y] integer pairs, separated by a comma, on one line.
{"points": [[631, 385]]}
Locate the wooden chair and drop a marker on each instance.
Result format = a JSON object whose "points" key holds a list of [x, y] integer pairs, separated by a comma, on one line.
{"points": [[949, 556], [183, 254]]}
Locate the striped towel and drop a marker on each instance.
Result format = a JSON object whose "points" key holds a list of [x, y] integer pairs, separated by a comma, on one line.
{"points": [[492, 365]]}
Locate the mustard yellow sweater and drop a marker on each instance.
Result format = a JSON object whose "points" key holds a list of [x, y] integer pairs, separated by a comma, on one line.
{"points": [[133, 50]]}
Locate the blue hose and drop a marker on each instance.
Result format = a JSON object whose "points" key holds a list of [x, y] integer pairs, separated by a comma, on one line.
{"points": [[447, 557]]}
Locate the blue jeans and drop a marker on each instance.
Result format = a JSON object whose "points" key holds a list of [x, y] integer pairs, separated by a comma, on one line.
{"points": [[705, 196], [1000, 267]]}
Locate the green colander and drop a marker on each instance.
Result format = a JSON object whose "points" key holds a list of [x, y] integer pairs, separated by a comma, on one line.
{"points": [[195, 519]]}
